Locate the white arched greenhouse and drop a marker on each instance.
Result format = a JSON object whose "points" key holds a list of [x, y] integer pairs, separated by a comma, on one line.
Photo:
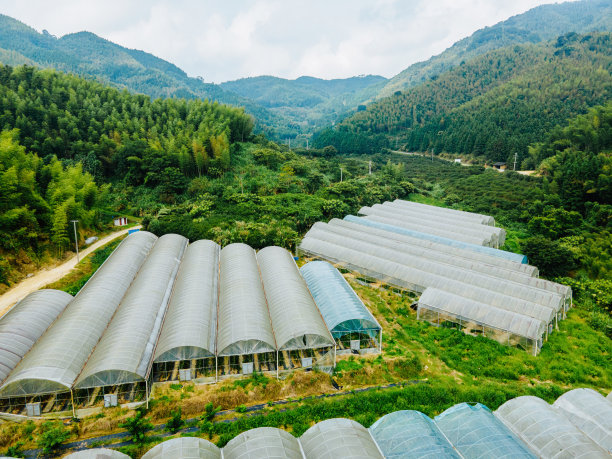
{"points": [[187, 344], [245, 339], [339, 437], [45, 376], [302, 338], [121, 361], [591, 412], [476, 432], [352, 326], [547, 432], [411, 434], [263, 442]]}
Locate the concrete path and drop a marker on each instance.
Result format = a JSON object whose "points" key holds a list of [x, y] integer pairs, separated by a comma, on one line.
{"points": [[48, 276]]}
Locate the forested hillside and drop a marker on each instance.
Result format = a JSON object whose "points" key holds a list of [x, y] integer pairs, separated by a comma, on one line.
{"points": [[61, 132], [541, 23], [495, 105], [309, 103], [85, 54]]}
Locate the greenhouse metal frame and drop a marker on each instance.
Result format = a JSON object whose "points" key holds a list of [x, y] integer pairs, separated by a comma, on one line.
{"points": [[547, 432], [343, 311]]}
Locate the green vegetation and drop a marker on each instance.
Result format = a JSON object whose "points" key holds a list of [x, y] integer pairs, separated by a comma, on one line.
{"points": [[497, 104], [52, 434], [539, 24], [307, 103], [138, 426]]}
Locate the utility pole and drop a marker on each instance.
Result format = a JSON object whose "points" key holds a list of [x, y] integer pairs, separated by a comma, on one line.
{"points": [[432, 155], [289, 144], [307, 144], [340, 175], [370, 168], [515, 160], [76, 241]]}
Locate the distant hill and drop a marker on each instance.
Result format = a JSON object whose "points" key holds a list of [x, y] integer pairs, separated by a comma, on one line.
{"points": [[309, 102], [494, 105], [536, 25], [86, 54]]}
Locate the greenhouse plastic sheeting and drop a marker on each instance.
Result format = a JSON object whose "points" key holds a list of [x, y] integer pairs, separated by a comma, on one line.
{"points": [[417, 280], [411, 434], [262, 443], [190, 326], [124, 353], [470, 310], [410, 224], [342, 309], [484, 219], [57, 358], [467, 274], [97, 453], [487, 238], [296, 320], [25, 323], [244, 320], [339, 437], [184, 448], [414, 250], [499, 234], [547, 431], [438, 247], [476, 433], [517, 257], [590, 412]]}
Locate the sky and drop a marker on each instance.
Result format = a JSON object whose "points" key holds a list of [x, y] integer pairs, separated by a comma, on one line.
{"points": [[231, 39]]}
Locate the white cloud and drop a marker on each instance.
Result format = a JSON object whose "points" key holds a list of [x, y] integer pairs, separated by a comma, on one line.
{"points": [[239, 38]]}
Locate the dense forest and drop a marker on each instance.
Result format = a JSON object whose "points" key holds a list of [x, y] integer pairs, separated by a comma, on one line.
{"points": [[87, 55], [541, 23], [494, 106], [64, 137]]}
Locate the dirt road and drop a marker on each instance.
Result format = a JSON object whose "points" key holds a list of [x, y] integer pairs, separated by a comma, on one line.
{"points": [[47, 276]]}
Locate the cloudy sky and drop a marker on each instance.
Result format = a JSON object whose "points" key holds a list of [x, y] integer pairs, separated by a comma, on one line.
{"points": [[229, 39]]}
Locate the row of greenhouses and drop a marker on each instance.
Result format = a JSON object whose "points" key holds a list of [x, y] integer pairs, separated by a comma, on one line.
{"points": [[481, 290], [161, 309], [578, 424]]}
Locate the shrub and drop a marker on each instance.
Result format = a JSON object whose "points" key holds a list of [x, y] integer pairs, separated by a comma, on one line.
{"points": [[52, 435], [137, 426], [176, 421]]}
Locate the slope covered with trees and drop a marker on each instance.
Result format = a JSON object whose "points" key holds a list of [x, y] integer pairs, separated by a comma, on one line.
{"points": [[497, 104], [539, 24], [87, 55], [64, 137]]}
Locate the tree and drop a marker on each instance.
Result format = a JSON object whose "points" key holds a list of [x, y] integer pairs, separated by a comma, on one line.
{"points": [[551, 257], [137, 426], [52, 435]]}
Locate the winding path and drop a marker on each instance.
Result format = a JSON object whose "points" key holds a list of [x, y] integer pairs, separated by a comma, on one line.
{"points": [[48, 276]]}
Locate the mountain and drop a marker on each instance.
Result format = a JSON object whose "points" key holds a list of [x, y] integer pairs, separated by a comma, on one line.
{"points": [[86, 54], [539, 24], [494, 105], [309, 102]]}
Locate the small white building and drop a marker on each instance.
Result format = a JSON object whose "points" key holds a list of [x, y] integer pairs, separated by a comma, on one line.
{"points": [[121, 221], [458, 160]]}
